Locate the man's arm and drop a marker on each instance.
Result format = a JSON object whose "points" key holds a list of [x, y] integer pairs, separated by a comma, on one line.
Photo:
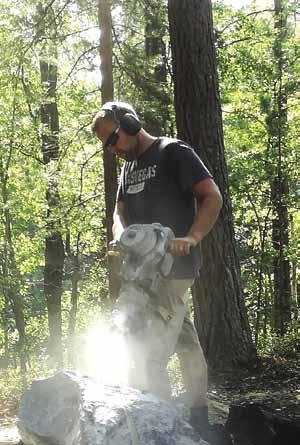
{"points": [[209, 203], [119, 223]]}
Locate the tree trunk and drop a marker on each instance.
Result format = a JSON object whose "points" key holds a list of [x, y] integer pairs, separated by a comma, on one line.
{"points": [[54, 248], [75, 277], [109, 159], [295, 285], [220, 314], [155, 48], [279, 184], [11, 278]]}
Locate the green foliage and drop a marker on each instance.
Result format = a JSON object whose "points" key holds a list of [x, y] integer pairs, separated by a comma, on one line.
{"points": [[249, 82], [287, 347], [141, 65], [63, 36], [13, 384]]}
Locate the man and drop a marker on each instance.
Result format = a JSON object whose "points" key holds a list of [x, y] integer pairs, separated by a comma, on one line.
{"points": [[161, 181]]}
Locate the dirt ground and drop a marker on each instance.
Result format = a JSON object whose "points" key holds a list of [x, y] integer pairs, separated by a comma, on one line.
{"points": [[275, 384]]}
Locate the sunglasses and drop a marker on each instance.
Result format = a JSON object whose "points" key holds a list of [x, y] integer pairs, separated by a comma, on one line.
{"points": [[112, 139]]}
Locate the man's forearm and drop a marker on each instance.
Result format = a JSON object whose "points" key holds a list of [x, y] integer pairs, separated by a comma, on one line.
{"points": [[118, 226], [207, 214]]}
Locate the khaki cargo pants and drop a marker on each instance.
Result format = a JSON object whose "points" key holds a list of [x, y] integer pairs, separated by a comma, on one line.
{"points": [[168, 330]]}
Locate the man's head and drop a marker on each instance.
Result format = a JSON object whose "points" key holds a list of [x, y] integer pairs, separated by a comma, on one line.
{"points": [[117, 126]]}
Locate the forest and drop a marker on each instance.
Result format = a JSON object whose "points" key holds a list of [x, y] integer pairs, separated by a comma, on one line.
{"points": [[224, 77]]}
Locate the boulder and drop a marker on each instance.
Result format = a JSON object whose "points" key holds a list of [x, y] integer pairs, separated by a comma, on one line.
{"points": [[70, 409], [251, 423]]}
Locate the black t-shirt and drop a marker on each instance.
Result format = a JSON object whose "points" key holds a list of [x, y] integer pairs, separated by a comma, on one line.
{"points": [[157, 187]]}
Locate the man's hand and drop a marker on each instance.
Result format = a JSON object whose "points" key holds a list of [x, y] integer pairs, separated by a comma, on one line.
{"points": [[114, 248], [182, 246]]}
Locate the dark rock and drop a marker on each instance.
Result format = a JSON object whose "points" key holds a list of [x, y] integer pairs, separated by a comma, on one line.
{"points": [[68, 409], [49, 411], [252, 424]]}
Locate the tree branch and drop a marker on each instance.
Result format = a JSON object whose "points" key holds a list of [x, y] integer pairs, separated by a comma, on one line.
{"points": [[243, 18]]}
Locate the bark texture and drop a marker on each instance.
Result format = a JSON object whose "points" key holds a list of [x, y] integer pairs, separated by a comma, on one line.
{"points": [[74, 266], [220, 314], [278, 127], [54, 248], [109, 159], [155, 52]]}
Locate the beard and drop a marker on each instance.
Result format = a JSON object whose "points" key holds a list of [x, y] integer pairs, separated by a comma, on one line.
{"points": [[132, 154]]}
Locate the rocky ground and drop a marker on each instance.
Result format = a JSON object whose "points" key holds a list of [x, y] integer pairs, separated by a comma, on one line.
{"points": [[274, 383]]}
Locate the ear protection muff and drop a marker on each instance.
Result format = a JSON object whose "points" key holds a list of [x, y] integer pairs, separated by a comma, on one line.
{"points": [[130, 124], [127, 121]]}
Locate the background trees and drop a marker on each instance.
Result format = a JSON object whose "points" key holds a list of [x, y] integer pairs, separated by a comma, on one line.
{"points": [[254, 154], [258, 64]]}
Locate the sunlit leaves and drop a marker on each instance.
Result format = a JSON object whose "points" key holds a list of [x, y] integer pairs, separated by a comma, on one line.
{"points": [[249, 79]]}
